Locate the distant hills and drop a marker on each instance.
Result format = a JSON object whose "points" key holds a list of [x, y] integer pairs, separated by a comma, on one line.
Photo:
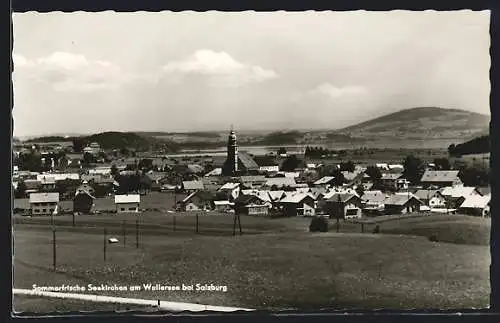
{"points": [[410, 124], [422, 123]]}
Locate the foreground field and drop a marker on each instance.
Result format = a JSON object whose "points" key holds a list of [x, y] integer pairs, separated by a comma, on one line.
{"points": [[282, 267], [31, 304]]}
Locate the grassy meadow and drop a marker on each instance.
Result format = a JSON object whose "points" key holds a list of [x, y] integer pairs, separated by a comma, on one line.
{"points": [[275, 264]]}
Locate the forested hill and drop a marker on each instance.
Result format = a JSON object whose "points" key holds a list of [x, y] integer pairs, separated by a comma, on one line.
{"points": [[479, 145], [114, 140]]}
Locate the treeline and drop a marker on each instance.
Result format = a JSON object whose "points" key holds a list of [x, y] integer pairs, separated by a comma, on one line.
{"points": [[114, 140], [479, 145], [280, 138]]}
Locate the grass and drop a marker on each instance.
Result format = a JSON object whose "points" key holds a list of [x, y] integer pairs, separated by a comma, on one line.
{"points": [[458, 229], [24, 305], [156, 223], [282, 267]]}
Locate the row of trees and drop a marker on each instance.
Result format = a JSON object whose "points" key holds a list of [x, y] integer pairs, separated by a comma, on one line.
{"points": [[476, 174]]}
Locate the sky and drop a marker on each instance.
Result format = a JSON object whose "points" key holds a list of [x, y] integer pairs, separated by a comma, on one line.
{"points": [[188, 71]]}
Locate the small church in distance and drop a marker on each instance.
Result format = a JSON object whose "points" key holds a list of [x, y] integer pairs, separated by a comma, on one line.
{"points": [[237, 163]]}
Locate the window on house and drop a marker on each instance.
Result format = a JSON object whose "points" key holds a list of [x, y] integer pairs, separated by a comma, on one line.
{"points": [[351, 212], [36, 210], [122, 209], [131, 208], [44, 210], [51, 210]]}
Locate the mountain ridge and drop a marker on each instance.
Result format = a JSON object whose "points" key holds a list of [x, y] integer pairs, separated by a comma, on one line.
{"points": [[422, 122]]}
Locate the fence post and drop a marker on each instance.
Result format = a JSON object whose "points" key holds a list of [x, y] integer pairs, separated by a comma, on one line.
{"points": [[104, 246], [137, 233], [234, 224], [124, 233], [338, 224], [239, 224], [73, 219], [362, 228], [197, 222], [54, 248]]}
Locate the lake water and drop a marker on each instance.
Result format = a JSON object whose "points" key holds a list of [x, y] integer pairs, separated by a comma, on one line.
{"points": [[300, 149]]}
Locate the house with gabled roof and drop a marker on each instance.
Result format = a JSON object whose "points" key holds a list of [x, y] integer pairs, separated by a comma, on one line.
{"points": [[192, 186], [390, 179], [280, 182], [298, 204], [373, 201], [230, 190], [127, 203], [345, 205], [276, 196], [456, 195], [440, 178], [475, 205], [223, 206], [402, 203], [251, 205], [431, 198], [44, 203], [325, 181], [197, 201], [252, 181]]}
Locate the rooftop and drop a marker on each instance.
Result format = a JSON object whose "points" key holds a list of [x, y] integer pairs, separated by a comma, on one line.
{"points": [[129, 198], [44, 198], [439, 176]]}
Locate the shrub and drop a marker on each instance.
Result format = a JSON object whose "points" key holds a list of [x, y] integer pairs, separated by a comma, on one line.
{"points": [[318, 224]]}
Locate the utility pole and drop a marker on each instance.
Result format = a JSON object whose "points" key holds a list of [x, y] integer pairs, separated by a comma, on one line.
{"points": [[137, 233], [54, 248], [73, 219], [124, 233], [197, 222], [104, 245], [234, 224], [239, 224]]}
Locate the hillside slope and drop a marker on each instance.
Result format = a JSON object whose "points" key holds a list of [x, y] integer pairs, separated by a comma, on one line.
{"points": [[425, 122]]}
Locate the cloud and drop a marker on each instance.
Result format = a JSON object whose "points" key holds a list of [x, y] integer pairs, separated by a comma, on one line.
{"points": [[331, 92], [70, 72], [220, 69], [339, 92]]}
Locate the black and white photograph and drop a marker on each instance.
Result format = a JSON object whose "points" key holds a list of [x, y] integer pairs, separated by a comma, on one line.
{"points": [[250, 161]]}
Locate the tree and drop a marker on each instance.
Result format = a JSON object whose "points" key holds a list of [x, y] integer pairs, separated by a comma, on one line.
{"points": [[124, 152], [374, 173], [348, 166], [114, 171], [474, 175], [442, 163], [413, 169], [146, 164], [31, 161], [78, 145], [290, 164], [88, 158], [20, 191]]}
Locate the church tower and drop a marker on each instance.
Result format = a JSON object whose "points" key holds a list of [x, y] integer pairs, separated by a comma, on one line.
{"points": [[231, 165]]}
